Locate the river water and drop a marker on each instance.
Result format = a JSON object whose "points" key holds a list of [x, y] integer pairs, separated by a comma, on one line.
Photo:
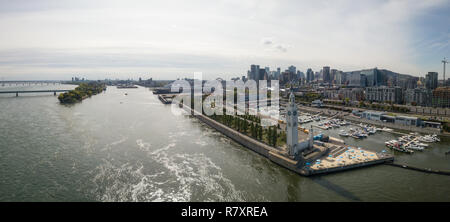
{"points": [[117, 147]]}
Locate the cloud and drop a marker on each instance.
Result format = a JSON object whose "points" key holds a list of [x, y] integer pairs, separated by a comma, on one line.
{"points": [[270, 45], [281, 47], [266, 41], [18, 63], [220, 38]]}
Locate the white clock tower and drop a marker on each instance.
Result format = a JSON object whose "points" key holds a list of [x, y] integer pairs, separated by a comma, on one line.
{"points": [[291, 126]]}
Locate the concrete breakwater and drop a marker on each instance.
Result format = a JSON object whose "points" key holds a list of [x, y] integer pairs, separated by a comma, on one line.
{"points": [[164, 100]]}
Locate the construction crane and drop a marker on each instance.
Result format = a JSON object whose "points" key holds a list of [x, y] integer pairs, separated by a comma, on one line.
{"points": [[444, 61]]}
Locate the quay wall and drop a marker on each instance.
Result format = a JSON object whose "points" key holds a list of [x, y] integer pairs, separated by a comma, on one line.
{"points": [[246, 141], [287, 163]]}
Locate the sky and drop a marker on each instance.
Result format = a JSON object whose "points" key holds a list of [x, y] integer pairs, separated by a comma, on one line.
{"points": [[59, 39]]}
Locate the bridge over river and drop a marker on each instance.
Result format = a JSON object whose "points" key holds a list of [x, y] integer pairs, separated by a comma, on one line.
{"points": [[29, 82], [54, 91]]}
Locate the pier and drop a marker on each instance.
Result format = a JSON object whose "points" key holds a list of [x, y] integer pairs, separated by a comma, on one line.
{"points": [[304, 153], [54, 91], [416, 139], [165, 99], [344, 157], [325, 157]]}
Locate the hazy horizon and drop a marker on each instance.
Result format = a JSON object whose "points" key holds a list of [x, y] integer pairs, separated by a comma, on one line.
{"points": [[48, 39]]}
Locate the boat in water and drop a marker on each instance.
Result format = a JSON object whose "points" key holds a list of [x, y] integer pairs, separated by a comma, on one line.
{"points": [[414, 147], [397, 146], [429, 138], [386, 129], [344, 134], [422, 144]]}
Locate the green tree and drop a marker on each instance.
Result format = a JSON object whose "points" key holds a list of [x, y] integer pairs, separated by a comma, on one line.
{"points": [[269, 135], [361, 104], [245, 126], [347, 101], [274, 137], [260, 132], [253, 130]]}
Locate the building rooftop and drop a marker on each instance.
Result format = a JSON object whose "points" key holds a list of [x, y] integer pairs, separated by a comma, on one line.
{"points": [[407, 117], [375, 112]]}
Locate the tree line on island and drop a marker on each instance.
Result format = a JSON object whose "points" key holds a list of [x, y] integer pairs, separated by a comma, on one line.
{"points": [[83, 91]]}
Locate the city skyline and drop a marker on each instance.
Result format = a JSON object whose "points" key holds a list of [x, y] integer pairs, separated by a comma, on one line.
{"points": [[59, 40]]}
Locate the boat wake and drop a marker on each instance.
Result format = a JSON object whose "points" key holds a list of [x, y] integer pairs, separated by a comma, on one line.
{"points": [[167, 176]]}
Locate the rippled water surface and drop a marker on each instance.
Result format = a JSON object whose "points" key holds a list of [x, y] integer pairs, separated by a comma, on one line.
{"points": [[117, 147]]}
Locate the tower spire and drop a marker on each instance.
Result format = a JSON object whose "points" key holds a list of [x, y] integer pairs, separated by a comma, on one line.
{"points": [[291, 126]]}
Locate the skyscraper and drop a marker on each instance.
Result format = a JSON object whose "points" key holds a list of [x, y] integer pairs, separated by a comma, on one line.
{"points": [[326, 74], [309, 75], [340, 77], [374, 77], [300, 74], [262, 75], [431, 80], [278, 73], [292, 69], [333, 75], [356, 79], [254, 72]]}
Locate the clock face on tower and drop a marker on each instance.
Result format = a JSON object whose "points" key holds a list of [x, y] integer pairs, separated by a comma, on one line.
{"points": [[295, 113], [289, 113]]}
